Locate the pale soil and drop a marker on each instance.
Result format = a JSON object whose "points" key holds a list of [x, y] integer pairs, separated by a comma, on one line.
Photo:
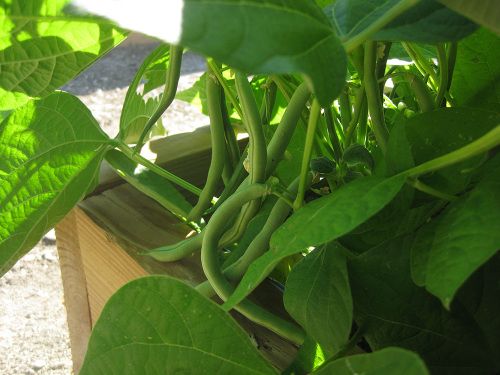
{"points": [[33, 330]]}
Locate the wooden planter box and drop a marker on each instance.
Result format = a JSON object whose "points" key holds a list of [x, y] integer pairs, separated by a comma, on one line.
{"points": [[99, 241]]}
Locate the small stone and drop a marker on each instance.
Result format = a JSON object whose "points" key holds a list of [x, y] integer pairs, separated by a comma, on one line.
{"points": [[37, 364]]}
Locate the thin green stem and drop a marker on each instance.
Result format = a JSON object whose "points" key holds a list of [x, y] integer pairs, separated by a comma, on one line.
{"points": [[131, 154], [375, 106], [306, 156], [334, 138], [362, 124], [480, 145], [388, 16], [345, 108], [173, 75], [227, 90], [419, 185], [443, 75], [358, 106], [422, 63], [233, 148]]}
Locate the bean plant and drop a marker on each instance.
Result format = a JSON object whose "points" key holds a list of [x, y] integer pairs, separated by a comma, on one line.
{"points": [[367, 191]]}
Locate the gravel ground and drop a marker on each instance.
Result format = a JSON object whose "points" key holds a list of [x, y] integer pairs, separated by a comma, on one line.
{"points": [[33, 330]]}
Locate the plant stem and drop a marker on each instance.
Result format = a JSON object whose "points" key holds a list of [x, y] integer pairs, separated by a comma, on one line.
{"points": [[131, 154], [480, 145], [387, 17], [334, 138], [358, 105], [229, 93], [422, 64], [306, 156], [419, 185], [233, 149], [375, 106], [443, 75], [345, 108], [173, 74]]}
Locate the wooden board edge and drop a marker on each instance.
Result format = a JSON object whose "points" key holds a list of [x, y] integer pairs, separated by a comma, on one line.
{"points": [[74, 287]]}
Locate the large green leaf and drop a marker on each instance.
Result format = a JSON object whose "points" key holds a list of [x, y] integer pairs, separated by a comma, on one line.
{"points": [[389, 361], [317, 295], [256, 36], [476, 78], [159, 325], [426, 22], [484, 12], [395, 312], [451, 247], [41, 49], [319, 222], [50, 152]]}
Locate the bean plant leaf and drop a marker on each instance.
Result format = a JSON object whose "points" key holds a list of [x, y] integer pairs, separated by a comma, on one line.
{"points": [[388, 361], [159, 325], [321, 221], [483, 12], [436, 133], [476, 78], [41, 49], [395, 312], [149, 183], [50, 152], [479, 296], [450, 248], [317, 295], [255, 36], [137, 109], [426, 22]]}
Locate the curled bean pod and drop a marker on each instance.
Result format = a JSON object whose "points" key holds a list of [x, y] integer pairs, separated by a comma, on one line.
{"points": [[259, 244], [173, 75], [210, 263]]}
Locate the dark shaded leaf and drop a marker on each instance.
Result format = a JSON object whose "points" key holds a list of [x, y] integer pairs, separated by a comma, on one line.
{"points": [[317, 295]]}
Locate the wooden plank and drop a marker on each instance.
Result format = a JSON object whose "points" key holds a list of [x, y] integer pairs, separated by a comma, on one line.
{"points": [[75, 288], [106, 265]]}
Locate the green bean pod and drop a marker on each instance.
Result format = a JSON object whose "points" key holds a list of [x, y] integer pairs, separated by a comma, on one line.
{"points": [[218, 148], [422, 93], [173, 75], [210, 263], [284, 132], [177, 251], [251, 118]]}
